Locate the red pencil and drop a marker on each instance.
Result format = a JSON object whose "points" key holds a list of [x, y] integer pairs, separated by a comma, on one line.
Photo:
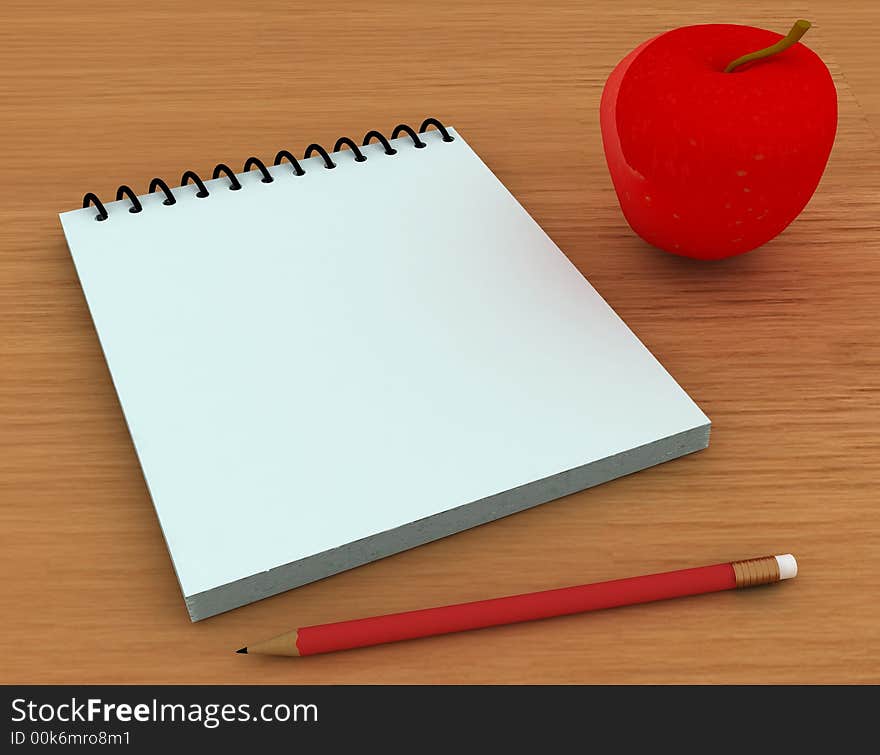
{"points": [[345, 635]]}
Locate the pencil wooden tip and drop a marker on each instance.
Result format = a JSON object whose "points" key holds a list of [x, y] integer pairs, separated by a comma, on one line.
{"points": [[283, 644], [242, 650]]}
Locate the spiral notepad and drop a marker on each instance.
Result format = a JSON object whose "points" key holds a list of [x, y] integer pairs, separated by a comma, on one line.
{"points": [[334, 358]]}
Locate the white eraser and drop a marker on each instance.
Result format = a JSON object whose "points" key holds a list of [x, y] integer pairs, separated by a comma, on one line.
{"points": [[787, 566]]}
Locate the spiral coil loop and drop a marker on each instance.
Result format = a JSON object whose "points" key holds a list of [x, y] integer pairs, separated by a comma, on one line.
{"points": [[251, 162], [191, 175], [225, 170], [125, 191], [221, 169], [99, 205], [328, 162], [439, 126], [342, 141], [158, 183], [402, 128], [370, 135], [285, 155]]}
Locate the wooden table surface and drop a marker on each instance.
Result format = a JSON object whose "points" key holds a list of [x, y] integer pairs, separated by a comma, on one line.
{"points": [[779, 347]]}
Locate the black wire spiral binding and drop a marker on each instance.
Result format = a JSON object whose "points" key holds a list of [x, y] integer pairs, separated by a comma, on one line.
{"points": [[159, 183], [328, 162], [440, 127], [285, 155], [403, 128], [389, 150], [99, 205], [191, 175], [343, 140], [254, 162], [225, 170], [261, 166], [125, 191]]}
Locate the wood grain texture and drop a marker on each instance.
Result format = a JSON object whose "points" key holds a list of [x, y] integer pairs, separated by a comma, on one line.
{"points": [[779, 347]]}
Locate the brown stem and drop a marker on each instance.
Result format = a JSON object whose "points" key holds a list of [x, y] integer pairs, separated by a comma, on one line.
{"points": [[797, 31]]}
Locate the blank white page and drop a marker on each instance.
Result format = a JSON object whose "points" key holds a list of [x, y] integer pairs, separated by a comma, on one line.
{"points": [[312, 361]]}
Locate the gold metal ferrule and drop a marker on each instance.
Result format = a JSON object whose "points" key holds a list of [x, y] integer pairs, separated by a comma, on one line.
{"points": [[756, 571]]}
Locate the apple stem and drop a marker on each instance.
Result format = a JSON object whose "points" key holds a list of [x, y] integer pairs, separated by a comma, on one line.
{"points": [[797, 31]]}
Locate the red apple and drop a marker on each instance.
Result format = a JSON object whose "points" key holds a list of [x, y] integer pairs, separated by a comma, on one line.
{"points": [[708, 163]]}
